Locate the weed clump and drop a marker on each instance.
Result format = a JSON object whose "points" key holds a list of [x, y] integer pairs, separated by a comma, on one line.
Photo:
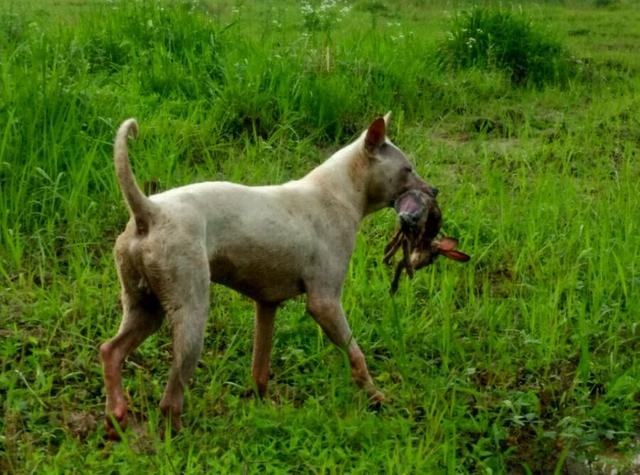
{"points": [[497, 39]]}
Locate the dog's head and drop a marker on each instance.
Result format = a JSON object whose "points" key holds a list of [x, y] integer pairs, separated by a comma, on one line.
{"points": [[390, 173]]}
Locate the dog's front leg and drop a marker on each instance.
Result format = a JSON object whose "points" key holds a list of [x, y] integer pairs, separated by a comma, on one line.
{"points": [[328, 312], [262, 340]]}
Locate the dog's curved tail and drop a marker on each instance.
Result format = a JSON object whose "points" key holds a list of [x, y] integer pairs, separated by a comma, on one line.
{"points": [[140, 207]]}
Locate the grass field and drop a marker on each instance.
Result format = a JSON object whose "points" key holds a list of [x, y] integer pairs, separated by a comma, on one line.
{"points": [[523, 361]]}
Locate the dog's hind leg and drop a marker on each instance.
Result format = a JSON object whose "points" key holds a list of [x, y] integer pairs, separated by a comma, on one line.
{"points": [[262, 341], [186, 303], [142, 317]]}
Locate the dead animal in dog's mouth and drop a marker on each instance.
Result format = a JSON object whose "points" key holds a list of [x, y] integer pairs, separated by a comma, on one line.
{"points": [[420, 222]]}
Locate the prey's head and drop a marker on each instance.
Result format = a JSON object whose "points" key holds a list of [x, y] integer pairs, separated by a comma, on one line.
{"points": [[390, 173], [413, 208]]}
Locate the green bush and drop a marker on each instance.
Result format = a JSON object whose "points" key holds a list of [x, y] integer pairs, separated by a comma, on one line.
{"points": [[499, 39]]}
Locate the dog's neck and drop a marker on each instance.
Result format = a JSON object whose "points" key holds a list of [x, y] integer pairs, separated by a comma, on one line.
{"points": [[344, 175]]}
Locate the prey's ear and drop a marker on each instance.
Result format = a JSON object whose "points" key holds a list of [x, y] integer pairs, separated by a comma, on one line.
{"points": [[387, 119], [375, 135], [447, 244], [456, 255]]}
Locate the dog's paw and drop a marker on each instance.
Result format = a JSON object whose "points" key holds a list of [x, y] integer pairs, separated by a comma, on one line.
{"points": [[115, 424], [377, 401], [169, 429]]}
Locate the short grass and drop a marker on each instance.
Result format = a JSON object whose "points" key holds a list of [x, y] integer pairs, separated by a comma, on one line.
{"points": [[523, 361]]}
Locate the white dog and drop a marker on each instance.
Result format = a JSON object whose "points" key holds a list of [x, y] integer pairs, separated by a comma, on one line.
{"points": [[270, 243]]}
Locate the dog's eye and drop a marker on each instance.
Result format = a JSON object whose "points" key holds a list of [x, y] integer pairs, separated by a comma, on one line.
{"points": [[408, 169]]}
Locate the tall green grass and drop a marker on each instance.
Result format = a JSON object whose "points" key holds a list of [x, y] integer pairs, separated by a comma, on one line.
{"points": [[524, 360]]}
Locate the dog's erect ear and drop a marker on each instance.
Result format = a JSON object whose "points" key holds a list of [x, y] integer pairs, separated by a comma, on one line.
{"points": [[387, 119], [375, 135]]}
